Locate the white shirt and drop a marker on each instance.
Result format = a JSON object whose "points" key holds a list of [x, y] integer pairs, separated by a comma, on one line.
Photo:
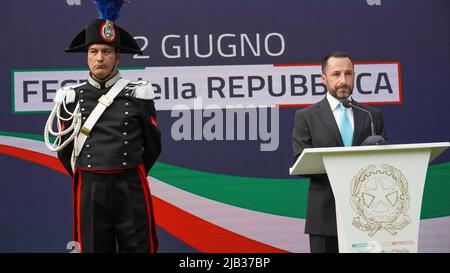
{"points": [[337, 112]]}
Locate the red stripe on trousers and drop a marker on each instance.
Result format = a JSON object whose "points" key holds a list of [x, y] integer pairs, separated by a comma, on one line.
{"points": [[146, 189], [76, 206]]}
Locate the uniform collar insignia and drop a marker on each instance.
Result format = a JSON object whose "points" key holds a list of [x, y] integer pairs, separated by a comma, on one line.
{"points": [[107, 84]]}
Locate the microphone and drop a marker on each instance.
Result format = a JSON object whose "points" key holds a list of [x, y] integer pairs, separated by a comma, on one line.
{"points": [[373, 139]]}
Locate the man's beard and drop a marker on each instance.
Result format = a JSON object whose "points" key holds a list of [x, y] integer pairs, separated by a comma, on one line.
{"points": [[341, 95]]}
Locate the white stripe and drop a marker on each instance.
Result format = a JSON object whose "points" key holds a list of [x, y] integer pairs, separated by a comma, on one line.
{"points": [[278, 231], [434, 235], [28, 144]]}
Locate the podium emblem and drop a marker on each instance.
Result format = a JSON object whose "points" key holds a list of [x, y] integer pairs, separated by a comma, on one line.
{"points": [[380, 197]]}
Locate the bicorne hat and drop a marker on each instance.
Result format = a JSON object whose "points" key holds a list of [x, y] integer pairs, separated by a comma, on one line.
{"points": [[105, 31]]}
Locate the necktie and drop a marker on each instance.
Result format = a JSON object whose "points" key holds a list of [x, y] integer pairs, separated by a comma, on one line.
{"points": [[346, 127]]}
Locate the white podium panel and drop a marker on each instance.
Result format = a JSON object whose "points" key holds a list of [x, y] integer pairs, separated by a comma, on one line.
{"points": [[379, 199], [378, 192]]}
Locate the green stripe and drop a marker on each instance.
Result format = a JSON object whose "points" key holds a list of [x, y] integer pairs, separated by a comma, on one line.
{"points": [[276, 196], [285, 197], [436, 194]]}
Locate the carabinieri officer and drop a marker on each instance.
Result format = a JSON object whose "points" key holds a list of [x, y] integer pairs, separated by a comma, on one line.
{"points": [[108, 140]]}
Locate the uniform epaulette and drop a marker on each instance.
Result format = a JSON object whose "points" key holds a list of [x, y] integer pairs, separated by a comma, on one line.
{"points": [[66, 93], [142, 90]]}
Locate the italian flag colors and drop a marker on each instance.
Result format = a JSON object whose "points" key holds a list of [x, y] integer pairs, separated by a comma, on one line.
{"points": [[221, 213]]}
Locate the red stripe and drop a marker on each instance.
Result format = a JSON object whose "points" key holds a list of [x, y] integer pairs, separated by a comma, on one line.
{"points": [[204, 236], [78, 210], [74, 208], [367, 103], [297, 64], [194, 231], [293, 105], [320, 64], [107, 171], [146, 190], [400, 83], [153, 121], [378, 62], [39, 158]]}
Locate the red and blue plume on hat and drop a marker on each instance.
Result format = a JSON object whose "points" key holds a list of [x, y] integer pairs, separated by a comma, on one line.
{"points": [[109, 9]]}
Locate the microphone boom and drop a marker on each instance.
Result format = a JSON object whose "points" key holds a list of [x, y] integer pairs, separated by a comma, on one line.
{"points": [[373, 139]]}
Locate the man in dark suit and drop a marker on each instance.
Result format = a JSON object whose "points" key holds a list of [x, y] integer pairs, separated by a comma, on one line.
{"points": [[329, 124]]}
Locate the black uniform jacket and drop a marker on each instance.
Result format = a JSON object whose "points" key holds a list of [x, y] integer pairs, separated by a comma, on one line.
{"points": [[315, 127], [126, 135]]}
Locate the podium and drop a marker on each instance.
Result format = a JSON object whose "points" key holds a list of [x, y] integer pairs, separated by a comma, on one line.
{"points": [[378, 192]]}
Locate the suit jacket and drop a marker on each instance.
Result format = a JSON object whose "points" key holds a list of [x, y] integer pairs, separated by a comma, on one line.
{"points": [[316, 127]]}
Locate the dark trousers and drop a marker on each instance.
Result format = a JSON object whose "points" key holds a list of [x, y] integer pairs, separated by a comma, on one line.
{"points": [[113, 212], [323, 244]]}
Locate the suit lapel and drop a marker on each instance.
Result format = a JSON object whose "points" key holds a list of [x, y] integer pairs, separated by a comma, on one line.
{"points": [[326, 115]]}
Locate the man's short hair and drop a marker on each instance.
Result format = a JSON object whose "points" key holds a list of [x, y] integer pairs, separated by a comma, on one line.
{"points": [[334, 54]]}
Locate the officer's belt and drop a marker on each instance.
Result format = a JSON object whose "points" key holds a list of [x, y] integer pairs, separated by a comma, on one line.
{"points": [[103, 103]]}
